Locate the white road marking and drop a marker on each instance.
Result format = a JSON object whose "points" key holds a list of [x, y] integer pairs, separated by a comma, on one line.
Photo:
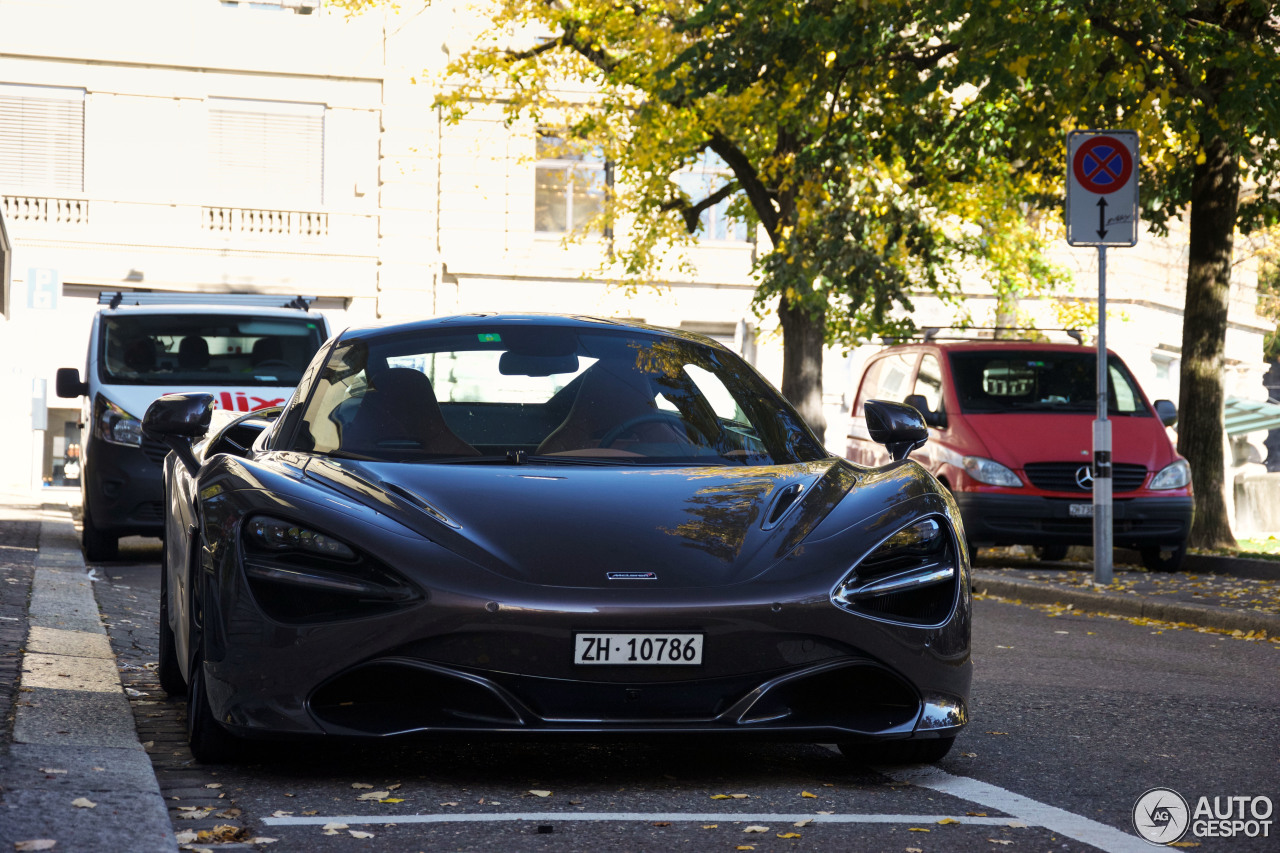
{"points": [[1025, 809], [674, 817]]}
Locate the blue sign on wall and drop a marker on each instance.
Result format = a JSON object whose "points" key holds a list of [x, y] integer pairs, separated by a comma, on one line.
{"points": [[43, 288]]}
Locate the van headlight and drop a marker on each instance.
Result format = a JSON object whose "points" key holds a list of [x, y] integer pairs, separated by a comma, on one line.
{"points": [[1175, 476], [990, 472], [114, 425]]}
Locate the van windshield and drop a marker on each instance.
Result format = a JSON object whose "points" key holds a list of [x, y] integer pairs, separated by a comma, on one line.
{"points": [[207, 349], [1038, 381]]}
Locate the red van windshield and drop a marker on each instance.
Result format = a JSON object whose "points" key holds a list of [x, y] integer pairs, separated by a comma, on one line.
{"points": [[1007, 381]]}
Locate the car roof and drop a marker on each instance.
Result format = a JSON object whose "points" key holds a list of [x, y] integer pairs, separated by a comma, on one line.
{"points": [[570, 321], [235, 310]]}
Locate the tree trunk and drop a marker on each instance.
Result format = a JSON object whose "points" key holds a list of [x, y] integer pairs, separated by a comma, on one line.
{"points": [[803, 335], [1215, 195]]}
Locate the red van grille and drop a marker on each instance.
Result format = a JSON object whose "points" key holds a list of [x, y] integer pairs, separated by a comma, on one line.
{"points": [[1061, 476]]}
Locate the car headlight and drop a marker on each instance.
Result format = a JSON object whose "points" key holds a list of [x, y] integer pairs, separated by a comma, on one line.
{"points": [[273, 534], [1175, 476], [990, 472], [116, 426], [911, 576]]}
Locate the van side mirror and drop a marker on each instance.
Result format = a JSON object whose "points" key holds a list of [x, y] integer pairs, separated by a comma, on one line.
{"points": [[937, 419], [899, 427], [68, 384], [1167, 412], [176, 419]]}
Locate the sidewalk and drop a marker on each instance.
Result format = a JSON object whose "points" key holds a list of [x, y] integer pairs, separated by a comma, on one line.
{"points": [[1241, 597], [71, 768]]}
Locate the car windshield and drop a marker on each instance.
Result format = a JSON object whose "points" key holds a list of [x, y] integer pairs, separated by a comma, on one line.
{"points": [[1020, 381], [548, 395], [207, 349]]}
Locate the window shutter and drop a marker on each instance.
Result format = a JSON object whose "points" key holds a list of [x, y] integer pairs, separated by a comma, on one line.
{"points": [[267, 153], [41, 140]]}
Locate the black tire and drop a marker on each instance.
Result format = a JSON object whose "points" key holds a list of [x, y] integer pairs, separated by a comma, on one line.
{"points": [[897, 751], [1051, 553], [210, 742], [1158, 560], [169, 670], [99, 545]]}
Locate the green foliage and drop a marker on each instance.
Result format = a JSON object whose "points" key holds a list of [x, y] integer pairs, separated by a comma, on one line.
{"points": [[837, 141]]}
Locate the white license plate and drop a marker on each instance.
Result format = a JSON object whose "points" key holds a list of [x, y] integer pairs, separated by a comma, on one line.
{"points": [[1081, 510], [649, 649]]}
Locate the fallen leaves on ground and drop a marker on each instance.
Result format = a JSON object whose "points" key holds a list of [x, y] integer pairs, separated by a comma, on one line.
{"points": [[789, 835], [361, 785], [803, 823], [917, 829], [356, 833], [34, 844], [999, 841], [756, 828], [84, 803], [539, 793], [374, 795], [947, 820], [807, 794], [333, 828]]}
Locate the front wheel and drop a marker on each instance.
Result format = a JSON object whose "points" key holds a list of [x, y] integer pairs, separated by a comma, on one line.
{"points": [[897, 751], [99, 545], [1157, 559], [210, 742], [171, 680]]}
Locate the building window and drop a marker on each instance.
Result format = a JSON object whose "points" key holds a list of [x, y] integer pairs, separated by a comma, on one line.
{"points": [[707, 176], [267, 153], [41, 139], [570, 186]]}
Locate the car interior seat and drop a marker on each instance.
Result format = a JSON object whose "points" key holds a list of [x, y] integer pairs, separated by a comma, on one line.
{"points": [[399, 411], [193, 353], [610, 395]]}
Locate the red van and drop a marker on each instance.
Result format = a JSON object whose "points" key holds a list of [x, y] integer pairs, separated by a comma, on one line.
{"points": [[1011, 434]]}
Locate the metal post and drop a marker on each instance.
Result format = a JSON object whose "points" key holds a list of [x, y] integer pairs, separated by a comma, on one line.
{"points": [[1102, 528]]}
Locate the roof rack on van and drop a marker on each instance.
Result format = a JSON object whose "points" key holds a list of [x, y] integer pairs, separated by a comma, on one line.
{"points": [[116, 298], [934, 333]]}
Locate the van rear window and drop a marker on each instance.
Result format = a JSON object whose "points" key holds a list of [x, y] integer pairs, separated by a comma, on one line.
{"points": [[207, 349], [1038, 381]]}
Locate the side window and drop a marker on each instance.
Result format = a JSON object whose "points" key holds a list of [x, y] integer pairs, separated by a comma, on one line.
{"points": [[870, 384], [1126, 398], [929, 382], [895, 377]]}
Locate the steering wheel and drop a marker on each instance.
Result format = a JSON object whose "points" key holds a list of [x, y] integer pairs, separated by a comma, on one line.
{"points": [[669, 418]]}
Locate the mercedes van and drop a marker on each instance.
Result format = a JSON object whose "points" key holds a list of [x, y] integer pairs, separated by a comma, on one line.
{"points": [[248, 351], [1011, 434]]}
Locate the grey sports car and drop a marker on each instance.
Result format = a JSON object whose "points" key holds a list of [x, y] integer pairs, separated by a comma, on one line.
{"points": [[531, 525]]}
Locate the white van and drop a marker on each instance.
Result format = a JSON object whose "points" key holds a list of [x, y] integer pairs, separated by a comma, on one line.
{"points": [[247, 350]]}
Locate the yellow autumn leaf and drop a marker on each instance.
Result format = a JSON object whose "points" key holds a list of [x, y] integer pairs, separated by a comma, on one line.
{"points": [[807, 794], [789, 835], [540, 793], [917, 829], [719, 796], [392, 800], [756, 828], [947, 820]]}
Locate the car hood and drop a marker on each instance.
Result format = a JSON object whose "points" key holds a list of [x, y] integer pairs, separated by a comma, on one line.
{"points": [[1017, 439], [573, 526]]}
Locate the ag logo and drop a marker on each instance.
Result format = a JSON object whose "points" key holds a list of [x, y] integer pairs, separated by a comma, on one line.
{"points": [[1084, 477], [1161, 816]]}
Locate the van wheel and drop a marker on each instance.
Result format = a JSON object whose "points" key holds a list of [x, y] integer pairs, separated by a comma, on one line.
{"points": [[99, 545], [1051, 553], [1158, 559]]}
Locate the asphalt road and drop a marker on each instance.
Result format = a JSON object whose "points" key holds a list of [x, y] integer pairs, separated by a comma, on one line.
{"points": [[1074, 718]]}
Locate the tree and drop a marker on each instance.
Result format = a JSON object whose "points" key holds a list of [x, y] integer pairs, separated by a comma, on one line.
{"points": [[832, 137], [1199, 81]]}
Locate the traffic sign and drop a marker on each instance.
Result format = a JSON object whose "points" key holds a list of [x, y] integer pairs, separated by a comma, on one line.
{"points": [[1102, 188]]}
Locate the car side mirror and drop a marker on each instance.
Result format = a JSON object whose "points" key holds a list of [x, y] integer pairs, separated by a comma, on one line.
{"points": [[937, 419], [68, 383], [899, 427], [1167, 412], [177, 419]]}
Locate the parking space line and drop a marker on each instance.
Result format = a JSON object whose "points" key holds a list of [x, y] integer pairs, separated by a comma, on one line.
{"points": [[1025, 809], [674, 817]]}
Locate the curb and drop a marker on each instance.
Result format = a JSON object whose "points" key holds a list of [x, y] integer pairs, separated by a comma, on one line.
{"points": [[1200, 615], [85, 780]]}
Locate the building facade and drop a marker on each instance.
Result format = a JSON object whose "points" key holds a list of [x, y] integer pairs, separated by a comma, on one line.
{"points": [[276, 147]]}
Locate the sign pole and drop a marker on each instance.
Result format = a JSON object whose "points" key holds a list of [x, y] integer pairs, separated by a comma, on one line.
{"points": [[1102, 210], [1102, 529]]}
